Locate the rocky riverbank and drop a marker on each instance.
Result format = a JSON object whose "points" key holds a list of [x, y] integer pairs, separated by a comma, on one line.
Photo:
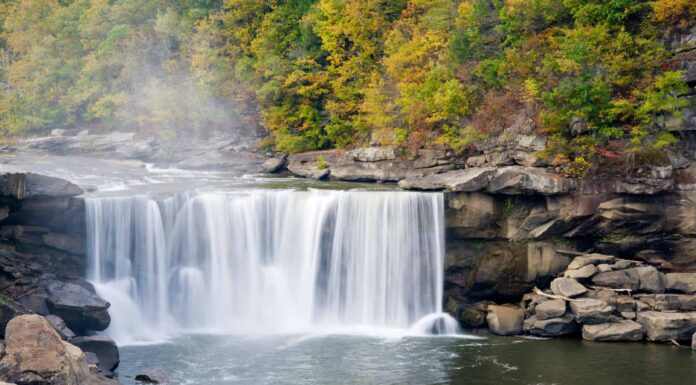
{"points": [[48, 313]]}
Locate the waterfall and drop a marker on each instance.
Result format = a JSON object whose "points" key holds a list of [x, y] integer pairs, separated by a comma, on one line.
{"points": [[268, 261]]}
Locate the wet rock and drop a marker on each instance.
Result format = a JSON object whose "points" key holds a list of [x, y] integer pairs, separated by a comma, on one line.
{"points": [[590, 259], [550, 309], [590, 311], [651, 280], [8, 311], [683, 282], [69, 242], [36, 355], [584, 272], [621, 279], [59, 326], [516, 180], [35, 301], [622, 330], [154, 376], [567, 287], [103, 347], [467, 180], [274, 164], [504, 320], [78, 307], [553, 327], [661, 326]]}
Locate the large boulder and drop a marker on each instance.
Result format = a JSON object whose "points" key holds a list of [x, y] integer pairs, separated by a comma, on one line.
{"points": [[505, 320], [683, 282], [274, 164], [590, 311], [584, 272], [550, 309], [621, 330], [36, 355], [78, 307], [567, 287], [661, 326], [590, 259], [553, 327], [651, 280], [620, 279], [103, 347]]}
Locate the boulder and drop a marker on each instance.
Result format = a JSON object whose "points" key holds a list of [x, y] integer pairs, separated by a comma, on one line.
{"points": [[504, 320], [590, 259], [154, 376], [59, 325], [275, 164], [553, 327], [36, 355], [374, 154], [584, 272], [103, 347], [520, 180], [78, 307], [651, 280], [622, 330], [590, 311], [308, 170], [620, 279], [683, 282], [661, 326], [567, 287], [550, 309]]}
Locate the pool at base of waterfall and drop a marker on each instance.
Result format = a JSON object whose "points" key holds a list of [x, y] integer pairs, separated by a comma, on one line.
{"points": [[356, 360]]}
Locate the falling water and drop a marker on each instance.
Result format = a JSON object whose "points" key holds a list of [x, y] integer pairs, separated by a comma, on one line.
{"points": [[269, 261]]}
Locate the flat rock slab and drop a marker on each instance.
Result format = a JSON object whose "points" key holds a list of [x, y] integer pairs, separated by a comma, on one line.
{"points": [[590, 259], [621, 279], [567, 287], [623, 330], [683, 282], [467, 180], [661, 326], [584, 272], [553, 327], [520, 180]]}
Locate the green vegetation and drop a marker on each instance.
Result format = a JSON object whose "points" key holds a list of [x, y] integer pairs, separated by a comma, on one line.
{"points": [[317, 74]]}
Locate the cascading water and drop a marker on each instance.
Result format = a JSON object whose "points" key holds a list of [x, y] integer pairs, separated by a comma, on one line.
{"points": [[269, 261]]}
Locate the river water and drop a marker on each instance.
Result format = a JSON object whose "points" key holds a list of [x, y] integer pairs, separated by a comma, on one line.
{"points": [[356, 360]]}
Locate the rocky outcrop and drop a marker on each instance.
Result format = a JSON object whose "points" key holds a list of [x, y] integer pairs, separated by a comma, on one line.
{"points": [[78, 307], [36, 355]]}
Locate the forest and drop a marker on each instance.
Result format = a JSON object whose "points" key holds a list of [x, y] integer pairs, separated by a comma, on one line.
{"points": [[592, 75]]}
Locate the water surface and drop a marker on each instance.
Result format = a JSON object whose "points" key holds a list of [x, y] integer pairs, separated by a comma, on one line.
{"points": [[341, 359]]}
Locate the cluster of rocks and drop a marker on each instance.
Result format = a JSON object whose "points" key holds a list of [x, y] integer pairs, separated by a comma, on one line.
{"points": [[602, 298], [42, 258]]}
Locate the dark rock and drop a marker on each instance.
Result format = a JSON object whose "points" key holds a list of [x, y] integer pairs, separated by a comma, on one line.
{"points": [[8, 310], [79, 308], [104, 348], [154, 376], [59, 325], [35, 301], [553, 327]]}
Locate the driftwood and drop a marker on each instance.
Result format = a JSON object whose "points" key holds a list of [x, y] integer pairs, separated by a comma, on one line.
{"points": [[553, 296], [610, 289]]}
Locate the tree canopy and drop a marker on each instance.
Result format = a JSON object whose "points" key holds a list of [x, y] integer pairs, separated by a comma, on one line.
{"points": [[318, 74]]}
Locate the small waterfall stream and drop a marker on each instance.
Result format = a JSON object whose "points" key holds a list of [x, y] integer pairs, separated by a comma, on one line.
{"points": [[269, 261]]}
